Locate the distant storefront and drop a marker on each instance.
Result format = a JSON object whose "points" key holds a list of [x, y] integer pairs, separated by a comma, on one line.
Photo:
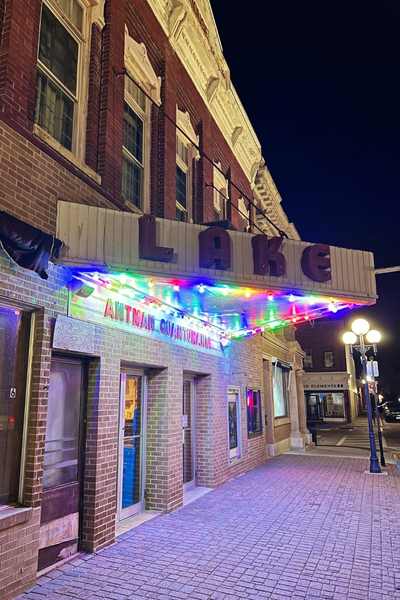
{"points": [[327, 396]]}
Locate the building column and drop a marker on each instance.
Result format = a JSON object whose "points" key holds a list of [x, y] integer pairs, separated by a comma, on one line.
{"points": [[302, 407], [296, 437]]}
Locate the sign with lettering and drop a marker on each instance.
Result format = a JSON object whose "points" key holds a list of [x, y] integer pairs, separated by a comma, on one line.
{"points": [[148, 319], [215, 252]]}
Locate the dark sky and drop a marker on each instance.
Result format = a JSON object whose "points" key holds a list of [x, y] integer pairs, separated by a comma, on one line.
{"points": [[320, 82]]}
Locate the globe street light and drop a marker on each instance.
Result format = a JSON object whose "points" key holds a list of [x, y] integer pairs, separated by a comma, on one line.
{"points": [[360, 329]]}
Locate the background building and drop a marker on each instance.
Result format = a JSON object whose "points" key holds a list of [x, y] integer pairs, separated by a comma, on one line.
{"points": [[329, 381], [154, 353]]}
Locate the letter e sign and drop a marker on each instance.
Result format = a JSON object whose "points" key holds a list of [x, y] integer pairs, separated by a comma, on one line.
{"points": [[316, 262]]}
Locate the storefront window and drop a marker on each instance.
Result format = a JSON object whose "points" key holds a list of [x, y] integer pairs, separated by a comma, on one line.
{"points": [[333, 405], [281, 391], [254, 414], [326, 405], [233, 423], [13, 366], [61, 451]]}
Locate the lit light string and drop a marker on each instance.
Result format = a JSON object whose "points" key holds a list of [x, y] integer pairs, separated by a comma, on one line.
{"points": [[169, 309], [227, 323]]}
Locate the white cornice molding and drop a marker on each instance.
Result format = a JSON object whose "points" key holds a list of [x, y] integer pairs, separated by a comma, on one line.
{"points": [[176, 18], [138, 64], [269, 201], [185, 124], [192, 32], [98, 13]]}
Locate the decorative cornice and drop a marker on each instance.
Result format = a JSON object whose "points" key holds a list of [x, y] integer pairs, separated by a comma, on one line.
{"points": [[192, 32], [98, 13], [269, 201], [138, 64], [185, 124], [236, 133]]}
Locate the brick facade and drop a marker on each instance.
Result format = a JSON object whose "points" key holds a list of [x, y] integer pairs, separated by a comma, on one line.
{"points": [[323, 336], [34, 177]]}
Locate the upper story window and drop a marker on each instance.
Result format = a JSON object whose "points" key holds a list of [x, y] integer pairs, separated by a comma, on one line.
{"points": [[244, 213], [220, 194], [329, 359], [142, 86], [183, 181], [59, 57], [186, 153], [308, 360], [135, 160]]}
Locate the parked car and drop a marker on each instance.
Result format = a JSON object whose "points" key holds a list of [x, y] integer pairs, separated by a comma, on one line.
{"points": [[391, 411]]}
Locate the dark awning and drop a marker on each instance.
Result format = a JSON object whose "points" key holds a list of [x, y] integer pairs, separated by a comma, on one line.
{"points": [[29, 247]]}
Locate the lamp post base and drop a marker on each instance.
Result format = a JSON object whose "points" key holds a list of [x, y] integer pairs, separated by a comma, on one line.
{"points": [[374, 466]]}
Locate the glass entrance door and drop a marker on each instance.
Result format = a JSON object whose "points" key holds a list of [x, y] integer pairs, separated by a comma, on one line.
{"points": [[188, 434], [131, 468]]}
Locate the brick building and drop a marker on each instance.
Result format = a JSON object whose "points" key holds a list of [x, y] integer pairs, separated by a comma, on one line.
{"points": [[329, 381], [150, 355]]}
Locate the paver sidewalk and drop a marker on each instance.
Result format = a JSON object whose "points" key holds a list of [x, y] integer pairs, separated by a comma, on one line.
{"points": [[298, 527]]}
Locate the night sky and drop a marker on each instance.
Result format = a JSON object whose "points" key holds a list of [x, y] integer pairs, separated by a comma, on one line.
{"points": [[320, 83]]}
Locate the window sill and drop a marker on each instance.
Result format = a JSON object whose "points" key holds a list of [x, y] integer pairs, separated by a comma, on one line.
{"points": [[254, 436], [133, 208], [281, 421], [50, 141], [11, 516]]}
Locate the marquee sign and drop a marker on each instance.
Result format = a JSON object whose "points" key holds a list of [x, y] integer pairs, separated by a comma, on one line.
{"points": [[143, 317], [215, 252]]}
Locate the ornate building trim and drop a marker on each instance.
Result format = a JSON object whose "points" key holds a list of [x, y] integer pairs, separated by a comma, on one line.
{"points": [[193, 34], [138, 64]]}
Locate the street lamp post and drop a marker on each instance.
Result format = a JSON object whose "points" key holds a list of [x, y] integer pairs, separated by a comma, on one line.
{"points": [[360, 329]]}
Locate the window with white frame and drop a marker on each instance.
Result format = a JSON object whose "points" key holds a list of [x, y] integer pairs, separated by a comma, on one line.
{"points": [[254, 413], [281, 391], [220, 193], [187, 142], [234, 423], [183, 180], [244, 212], [59, 89], [134, 159], [142, 88], [308, 360]]}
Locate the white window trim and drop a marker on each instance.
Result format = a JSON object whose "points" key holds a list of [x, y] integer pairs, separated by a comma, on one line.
{"points": [[144, 116], [187, 169], [140, 69], [220, 184], [282, 418], [78, 152], [244, 210], [188, 137], [236, 453], [138, 64]]}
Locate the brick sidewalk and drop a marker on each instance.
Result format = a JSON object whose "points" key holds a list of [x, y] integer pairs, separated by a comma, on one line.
{"points": [[298, 527]]}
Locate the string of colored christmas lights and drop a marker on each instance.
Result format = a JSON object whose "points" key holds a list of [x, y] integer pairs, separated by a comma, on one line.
{"points": [[212, 304]]}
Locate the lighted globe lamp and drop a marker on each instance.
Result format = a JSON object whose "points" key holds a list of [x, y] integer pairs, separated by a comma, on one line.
{"points": [[349, 338], [373, 336], [360, 326]]}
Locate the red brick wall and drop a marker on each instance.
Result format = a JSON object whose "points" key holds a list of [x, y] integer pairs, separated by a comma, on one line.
{"points": [[323, 335], [104, 123], [33, 178]]}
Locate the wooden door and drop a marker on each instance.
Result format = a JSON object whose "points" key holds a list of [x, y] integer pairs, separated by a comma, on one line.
{"points": [[60, 517]]}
